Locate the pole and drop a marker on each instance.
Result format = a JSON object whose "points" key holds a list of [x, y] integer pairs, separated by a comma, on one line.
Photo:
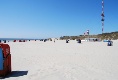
{"points": [[102, 15]]}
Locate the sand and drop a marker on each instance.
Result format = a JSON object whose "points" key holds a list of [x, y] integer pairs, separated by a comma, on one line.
{"points": [[36, 60]]}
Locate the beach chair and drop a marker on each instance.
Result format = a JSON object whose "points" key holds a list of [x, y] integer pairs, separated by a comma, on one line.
{"points": [[5, 60], [67, 41], [79, 41], [110, 43]]}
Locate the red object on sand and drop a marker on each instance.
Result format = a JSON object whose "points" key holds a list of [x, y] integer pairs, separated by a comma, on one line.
{"points": [[20, 41], [23, 40], [6, 60], [14, 40], [6, 49]]}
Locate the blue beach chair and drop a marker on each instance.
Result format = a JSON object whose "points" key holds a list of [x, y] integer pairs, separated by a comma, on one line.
{"points": [[110, 43]]}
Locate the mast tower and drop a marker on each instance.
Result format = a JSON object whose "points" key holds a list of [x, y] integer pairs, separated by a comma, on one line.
{"points": [[102, 15]]}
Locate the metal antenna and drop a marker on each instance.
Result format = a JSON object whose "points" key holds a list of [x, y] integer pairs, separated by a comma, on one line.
{"points": [[102, 15]]}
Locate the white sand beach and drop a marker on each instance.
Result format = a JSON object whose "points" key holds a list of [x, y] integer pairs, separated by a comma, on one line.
{"points": [[36, 60]]}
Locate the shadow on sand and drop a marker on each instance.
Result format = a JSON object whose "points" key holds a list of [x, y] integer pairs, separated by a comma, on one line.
{"points": [[15, 74]]}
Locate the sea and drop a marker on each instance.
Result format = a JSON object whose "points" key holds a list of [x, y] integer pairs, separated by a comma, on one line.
{"points": [[5, 40]]}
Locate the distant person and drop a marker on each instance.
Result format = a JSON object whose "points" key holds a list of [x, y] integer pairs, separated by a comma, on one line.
{"points": [[0, 41]]}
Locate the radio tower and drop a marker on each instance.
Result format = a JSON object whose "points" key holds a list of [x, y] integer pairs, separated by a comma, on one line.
{"points": [[102, 15]]}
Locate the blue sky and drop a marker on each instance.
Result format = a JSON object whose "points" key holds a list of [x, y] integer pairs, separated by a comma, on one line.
{"points": [[55, 18]]}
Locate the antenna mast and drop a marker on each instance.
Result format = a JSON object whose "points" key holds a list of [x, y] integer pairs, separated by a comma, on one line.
{"points": [[102, 15]]}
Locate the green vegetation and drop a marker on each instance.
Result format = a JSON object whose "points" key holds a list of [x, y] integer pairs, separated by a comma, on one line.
{"points": [[112, 36]]}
